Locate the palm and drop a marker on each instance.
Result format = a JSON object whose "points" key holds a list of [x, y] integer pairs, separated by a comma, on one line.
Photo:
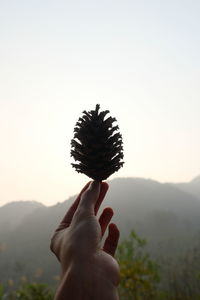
{"points": [[81, 231], [102, 257]]}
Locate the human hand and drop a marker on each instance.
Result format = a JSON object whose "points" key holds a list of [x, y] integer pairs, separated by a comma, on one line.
{"points": [[88, 270]]}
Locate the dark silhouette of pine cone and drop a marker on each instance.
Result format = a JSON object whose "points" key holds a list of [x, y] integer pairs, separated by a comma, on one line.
{"points": [[97, 145]]}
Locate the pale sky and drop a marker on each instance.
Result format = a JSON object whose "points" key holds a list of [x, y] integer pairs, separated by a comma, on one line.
{"points": [[138, 59]]}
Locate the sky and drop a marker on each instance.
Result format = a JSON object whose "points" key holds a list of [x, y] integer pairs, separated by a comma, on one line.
{"points": [[138, 59]]}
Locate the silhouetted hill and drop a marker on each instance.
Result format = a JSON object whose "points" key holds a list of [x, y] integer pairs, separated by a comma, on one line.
{"points": [[13, 214], [164, 214], [192, 187]]}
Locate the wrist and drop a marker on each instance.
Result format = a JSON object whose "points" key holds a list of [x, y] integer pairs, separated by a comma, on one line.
{"points": [[83, 281]]}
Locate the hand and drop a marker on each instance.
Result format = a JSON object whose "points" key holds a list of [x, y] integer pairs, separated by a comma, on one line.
{"points": [[89, 271]]}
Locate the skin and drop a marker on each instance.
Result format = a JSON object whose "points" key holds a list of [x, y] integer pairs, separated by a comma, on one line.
{"points": [[89, 270]]}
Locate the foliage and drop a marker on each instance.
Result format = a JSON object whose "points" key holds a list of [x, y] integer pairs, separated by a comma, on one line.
{"points": [[139, 274], [180, 276], [34, 292], [1, 292], [29, 291]]}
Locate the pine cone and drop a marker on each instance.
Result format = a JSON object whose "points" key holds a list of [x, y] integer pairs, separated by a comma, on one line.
{"points": [[97, 145]]}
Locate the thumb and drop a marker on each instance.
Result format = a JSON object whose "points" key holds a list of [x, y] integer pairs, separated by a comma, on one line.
{"points": [[90, 197]]}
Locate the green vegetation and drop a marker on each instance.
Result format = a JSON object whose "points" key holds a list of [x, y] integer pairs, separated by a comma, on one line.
{"points": [[139, 274], [1, 292], [28, 291], [142, 278]]}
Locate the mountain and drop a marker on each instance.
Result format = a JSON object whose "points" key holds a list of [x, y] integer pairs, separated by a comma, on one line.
{"points": [[192, 187], [165, 214], [13, 214]]}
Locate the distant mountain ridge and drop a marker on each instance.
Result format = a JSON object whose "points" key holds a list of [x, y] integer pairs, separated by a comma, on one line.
{"points": [[13, 213], [192, 187]]}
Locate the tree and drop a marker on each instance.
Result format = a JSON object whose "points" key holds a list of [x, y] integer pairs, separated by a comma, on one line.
{"points": [[139, 274]]}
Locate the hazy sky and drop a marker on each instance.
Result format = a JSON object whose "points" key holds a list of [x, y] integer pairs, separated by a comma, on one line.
{"points": [[139, 59]]}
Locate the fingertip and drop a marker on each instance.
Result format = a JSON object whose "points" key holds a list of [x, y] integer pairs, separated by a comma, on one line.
{"points": [[90, 196], [111, 242], [85, 188], [94, 184], [98, 184], [105, 185], [114, 230], [108, 210], [104, 188], [94, 187]]}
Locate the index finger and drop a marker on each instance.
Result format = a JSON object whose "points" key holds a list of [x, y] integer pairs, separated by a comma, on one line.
{"points": [[66, 221], [92, 198]]}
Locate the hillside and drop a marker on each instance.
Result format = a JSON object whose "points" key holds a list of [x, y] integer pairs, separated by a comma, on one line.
{"points": [[159, 212], [13, 214], [192, 187]]}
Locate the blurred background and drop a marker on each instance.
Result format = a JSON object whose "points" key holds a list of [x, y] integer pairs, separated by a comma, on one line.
{"points": [[138, 59]]}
